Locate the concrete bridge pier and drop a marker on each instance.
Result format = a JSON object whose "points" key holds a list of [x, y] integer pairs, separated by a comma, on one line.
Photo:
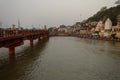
{"points": [[45, 36], [11, 50], [11, 45], [39, 38], [31, 42]]}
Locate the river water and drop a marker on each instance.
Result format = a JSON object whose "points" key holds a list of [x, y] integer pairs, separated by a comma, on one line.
{"points": [[62, 58]]}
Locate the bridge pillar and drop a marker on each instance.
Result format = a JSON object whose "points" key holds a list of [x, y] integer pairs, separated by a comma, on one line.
{"points": [[11, 50], [45, 36], [39, 39], [31, 42]]}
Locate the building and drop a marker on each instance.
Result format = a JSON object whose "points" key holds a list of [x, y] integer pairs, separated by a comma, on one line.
{"points": [[83, 31], [62, 30], [99, 26], [116, 29], [108, 24], [45, 27]]}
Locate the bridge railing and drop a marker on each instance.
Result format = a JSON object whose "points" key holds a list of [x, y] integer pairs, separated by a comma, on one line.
{"points": [[8, 33], [17, 33]]}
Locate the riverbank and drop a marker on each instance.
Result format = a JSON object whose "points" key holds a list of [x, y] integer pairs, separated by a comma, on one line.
{"points": [[86, 36], [98, 38]]}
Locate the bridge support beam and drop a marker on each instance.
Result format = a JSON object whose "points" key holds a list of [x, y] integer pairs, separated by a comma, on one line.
{"points": [[11, 45], [45, 36], [39, 39], [31, 42], [11, 50]]}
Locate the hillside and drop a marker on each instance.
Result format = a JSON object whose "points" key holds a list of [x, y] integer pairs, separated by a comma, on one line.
{"points": [[112, 13]]}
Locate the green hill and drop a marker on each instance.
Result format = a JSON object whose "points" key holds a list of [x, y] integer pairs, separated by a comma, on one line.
{"points": [[112, 13]]}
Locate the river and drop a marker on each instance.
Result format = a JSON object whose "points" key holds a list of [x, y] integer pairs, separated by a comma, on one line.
{"points": [[62, 58]]}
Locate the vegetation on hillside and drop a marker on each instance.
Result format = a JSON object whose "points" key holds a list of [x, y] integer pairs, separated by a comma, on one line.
{"points": [[104, 13], [117, 2]]}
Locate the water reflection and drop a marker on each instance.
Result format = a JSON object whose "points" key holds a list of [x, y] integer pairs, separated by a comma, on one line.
{"points": [[18, 63]]}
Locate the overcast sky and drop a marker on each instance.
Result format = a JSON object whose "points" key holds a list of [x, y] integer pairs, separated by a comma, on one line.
{"points": [[49, 12]]}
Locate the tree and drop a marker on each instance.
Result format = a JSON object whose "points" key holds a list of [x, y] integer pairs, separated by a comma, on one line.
{"points": [[62, 26], [113, 35], [117, 2], [112, 13], [103, 8]]}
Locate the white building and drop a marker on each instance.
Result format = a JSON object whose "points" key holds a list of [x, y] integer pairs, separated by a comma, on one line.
{"points": [[62, 30], [108, 24]]}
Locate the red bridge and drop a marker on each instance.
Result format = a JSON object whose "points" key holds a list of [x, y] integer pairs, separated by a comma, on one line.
{"points": [[13, 38]]}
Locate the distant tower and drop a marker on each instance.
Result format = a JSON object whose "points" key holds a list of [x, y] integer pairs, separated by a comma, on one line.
{"points": [[45, 27], [18, 23]]}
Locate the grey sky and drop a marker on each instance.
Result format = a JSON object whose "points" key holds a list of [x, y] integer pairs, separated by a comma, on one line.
{"points": [[49, 12]]}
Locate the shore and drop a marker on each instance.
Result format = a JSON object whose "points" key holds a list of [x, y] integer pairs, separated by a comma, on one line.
{"points": [[98, 38], [86, 36]]}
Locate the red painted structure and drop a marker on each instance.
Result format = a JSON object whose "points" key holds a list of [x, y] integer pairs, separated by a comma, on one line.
{"points": [[13, 38]]}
